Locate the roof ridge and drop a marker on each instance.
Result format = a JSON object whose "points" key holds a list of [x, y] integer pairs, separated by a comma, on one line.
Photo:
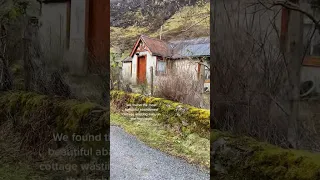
{"points": [[153, 38], [205, 37]]}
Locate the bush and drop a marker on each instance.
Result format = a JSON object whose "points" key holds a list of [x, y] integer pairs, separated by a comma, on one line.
{"points": [[180, 86]]}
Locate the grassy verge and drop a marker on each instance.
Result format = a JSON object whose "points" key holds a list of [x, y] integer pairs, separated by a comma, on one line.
{"points": [[193, 148], [22, 171]]}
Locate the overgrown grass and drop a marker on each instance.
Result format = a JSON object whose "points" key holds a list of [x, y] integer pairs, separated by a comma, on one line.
{"points": [[193, 148], [20, 172]]}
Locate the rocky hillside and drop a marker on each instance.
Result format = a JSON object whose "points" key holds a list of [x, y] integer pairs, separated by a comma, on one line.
{"points": [[179, 19], [125, 13]]}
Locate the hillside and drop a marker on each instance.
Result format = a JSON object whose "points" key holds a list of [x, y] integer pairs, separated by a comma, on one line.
{"points": [[189, 21], [123, 11]]}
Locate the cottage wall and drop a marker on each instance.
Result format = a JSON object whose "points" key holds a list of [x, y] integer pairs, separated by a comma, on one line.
{"points": [[77, 51], [52, 29], [258, 24], [151, 61], [187, 67], [126, 71], [53, 34], [311, 73]]}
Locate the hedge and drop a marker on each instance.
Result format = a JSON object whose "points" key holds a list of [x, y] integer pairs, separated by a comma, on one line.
{"points": [[187, 118], [235, 157], [37, 117]]}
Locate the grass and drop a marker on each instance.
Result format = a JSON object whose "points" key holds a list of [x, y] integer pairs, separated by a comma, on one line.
{"points": [[15, 164], [18, 172], [189, 22], [125, 37], [193, 148]]}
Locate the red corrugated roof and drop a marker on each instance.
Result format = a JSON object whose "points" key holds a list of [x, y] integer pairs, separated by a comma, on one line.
{"points": [[175, 49], [157, 46]]}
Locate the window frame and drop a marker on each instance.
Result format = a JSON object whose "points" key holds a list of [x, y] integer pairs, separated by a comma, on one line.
{"points": [[161, 59], [310, 50]]}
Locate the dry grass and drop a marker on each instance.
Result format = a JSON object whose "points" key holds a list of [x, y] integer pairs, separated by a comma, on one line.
{"points": [[180, 86]]}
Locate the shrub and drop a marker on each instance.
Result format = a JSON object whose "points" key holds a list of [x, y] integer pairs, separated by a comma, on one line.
{"points": [[180, 86]]}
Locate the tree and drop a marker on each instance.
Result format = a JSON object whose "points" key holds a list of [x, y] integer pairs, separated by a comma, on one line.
{"points": [[295, 55], [243, 60]]}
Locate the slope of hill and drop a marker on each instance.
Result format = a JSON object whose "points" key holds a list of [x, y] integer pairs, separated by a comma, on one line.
{"points": [[159, 10], [188, 22]]}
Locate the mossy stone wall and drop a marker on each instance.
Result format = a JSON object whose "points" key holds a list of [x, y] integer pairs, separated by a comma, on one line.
{"points": [[240, 158], [188, 118], [37, 117]]}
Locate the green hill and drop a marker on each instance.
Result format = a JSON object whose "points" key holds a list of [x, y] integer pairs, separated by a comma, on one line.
{"points": [[188, 22]]}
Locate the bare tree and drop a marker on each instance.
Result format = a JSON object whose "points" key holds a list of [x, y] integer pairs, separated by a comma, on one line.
{"points": [[252, 73]]}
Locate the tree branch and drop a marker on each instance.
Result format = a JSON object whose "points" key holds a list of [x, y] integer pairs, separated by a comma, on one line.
{"points": [[295, 7]]}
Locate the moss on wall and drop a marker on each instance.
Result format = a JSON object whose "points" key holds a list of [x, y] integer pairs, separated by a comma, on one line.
{"points": [[38, 117], [244, 158], [187, 118]]}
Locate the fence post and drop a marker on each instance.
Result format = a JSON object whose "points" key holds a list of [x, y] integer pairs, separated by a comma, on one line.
{"points": [[151, 72], [118, 82]]}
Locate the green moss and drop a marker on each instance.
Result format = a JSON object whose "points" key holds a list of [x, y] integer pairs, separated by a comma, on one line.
{"points": [[64, 116], [191, 119], [260, 160], [20, 172]]}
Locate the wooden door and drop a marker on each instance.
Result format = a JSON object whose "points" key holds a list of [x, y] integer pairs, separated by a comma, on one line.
{"points": [[98, 37], [199, 71], [142, 64]]}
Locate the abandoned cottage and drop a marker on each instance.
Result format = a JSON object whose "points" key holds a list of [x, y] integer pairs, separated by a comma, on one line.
{"points": [[167, 58]]}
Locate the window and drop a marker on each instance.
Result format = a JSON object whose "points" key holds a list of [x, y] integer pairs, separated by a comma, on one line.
{"points": [[311, 40], [161, 66], [207, 72]]}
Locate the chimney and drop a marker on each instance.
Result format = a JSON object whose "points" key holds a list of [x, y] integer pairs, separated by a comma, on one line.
{"points": [[160, 32]]}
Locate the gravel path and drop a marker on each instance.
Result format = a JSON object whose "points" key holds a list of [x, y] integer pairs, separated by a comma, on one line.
{"points": [[133, 160]]}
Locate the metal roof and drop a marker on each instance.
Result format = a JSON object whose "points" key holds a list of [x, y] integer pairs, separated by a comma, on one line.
{"points": [[177, 49], [191, 48]]}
